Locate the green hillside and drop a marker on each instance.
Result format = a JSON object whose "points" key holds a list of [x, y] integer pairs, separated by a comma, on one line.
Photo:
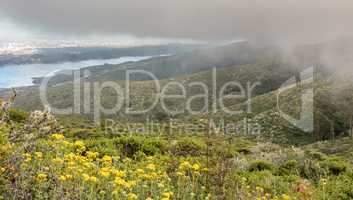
{"points": [[54, 159]]}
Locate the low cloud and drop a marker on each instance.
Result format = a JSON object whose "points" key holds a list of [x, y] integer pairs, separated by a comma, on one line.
{"points": [[258, 20]]}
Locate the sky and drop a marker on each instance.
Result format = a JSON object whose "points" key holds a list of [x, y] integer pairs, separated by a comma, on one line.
{"points": [[10, 31], [290, 21]]}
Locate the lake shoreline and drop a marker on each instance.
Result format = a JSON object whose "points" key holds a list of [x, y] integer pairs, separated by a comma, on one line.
{"points": [[15, 76]]}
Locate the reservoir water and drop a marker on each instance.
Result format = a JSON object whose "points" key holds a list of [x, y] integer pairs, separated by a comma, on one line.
{"points": [[21, 75]]}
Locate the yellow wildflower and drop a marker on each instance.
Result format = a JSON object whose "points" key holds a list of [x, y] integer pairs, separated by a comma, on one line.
{"points": [[118, 173], [119, 181], [41, 177], [39, 155], [127, 184], [151, 167], [184, 166], [88, 178], [65, 177], [107, 159], [104, 171], [88, 165], [323, 181], [67, 143], [28, 157], [131, 196], [58, 136], [286, 197], [196, 167], [180, 174], [140, 171], [93, 179], [80, 145], [168, 194], [70, 157], [85, 177], [62, 178], [92, 155]]}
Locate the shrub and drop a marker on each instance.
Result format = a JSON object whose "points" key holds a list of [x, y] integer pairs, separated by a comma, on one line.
{"points": [[188, 146], [334, 167], [338, 187], [254, 185], [103, 146], [260, 165], [83, 134], [243, 150], [289, 167], [18, 116], [316, 155], [312, 170], [129, 146]]}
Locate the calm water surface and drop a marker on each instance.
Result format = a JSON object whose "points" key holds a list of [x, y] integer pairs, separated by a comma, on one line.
{"points": [[21, 75]]}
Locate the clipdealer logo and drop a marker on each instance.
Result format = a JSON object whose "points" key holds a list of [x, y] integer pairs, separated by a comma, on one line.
{"points": [[306, 120]]}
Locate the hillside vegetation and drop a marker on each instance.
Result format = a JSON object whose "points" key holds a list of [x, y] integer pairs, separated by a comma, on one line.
{"points": [[164, 155], [42, 158]]}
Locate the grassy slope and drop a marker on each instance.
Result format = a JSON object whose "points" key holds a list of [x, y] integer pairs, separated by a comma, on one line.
{"points": [[269, 74]]}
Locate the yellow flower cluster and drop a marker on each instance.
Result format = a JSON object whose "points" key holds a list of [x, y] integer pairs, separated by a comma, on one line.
{"points": [[27, 157], [80, 146], [92, 155], [131, 196], [66, 177], [89, 178], [58, 136], [38, 155], [72, 164], [58, 161], [41, 177], [184, 166], [167, 195], [107, 159]]}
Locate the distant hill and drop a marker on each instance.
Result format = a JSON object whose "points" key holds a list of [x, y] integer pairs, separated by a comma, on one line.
{"points": [[73, 54], [270, 75], [183, 63]]}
